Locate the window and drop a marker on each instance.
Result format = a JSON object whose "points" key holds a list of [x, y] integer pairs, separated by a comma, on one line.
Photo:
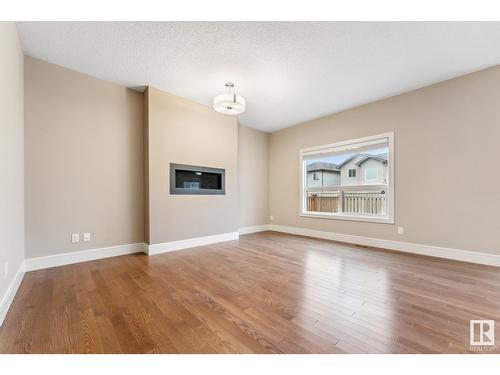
{"points": [[341, 196], [371, 174], [316, 176]]}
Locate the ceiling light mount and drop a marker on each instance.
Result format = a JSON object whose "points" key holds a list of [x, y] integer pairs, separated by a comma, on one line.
{"points": [[230, 103]]}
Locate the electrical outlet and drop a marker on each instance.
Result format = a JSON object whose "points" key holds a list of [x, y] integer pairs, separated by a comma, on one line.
{"points": [[86, 236], [401, 230], [75, 237], [271, 217]]}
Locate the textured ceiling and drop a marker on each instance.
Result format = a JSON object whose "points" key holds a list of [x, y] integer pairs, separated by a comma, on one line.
{"points": [[289, 72]]}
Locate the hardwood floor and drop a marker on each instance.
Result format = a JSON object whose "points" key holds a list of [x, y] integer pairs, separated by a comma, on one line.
{"points": [[265, 293]]}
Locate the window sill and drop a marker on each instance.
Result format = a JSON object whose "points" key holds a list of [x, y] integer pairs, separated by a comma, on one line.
{"points": [[362, 218]]}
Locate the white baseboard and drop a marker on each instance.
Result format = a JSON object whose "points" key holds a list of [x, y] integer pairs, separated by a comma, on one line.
{"points": [[191, 242], [11, 293], [33, 264], [254, 229], [434, 251], [56, 260]]}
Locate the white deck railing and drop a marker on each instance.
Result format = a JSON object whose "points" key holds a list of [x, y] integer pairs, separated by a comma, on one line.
{"points": [[364, 203]]}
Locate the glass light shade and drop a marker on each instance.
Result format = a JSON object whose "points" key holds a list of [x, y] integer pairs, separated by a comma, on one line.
{"points": [[229, 104]]}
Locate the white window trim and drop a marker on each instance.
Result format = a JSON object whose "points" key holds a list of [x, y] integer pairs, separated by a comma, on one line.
{"points": [[349, 172], [347, 145], [371, 179]]}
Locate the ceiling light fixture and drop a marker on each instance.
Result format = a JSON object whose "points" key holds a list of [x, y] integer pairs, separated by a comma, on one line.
{"points": [[230, 103]]}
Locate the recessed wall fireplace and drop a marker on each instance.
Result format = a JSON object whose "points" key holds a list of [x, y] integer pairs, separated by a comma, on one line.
{"points": [[193, 179]]}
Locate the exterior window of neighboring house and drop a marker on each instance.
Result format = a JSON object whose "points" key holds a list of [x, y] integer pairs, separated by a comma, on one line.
{"points": [[369, 197], [371, 174]]}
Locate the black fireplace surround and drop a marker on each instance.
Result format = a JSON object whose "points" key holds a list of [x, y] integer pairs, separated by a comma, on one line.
{"points": [[196, 180]]}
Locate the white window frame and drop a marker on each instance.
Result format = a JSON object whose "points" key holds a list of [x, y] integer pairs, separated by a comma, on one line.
{"points": [[349, 173], [371, 179], [352, 144]]}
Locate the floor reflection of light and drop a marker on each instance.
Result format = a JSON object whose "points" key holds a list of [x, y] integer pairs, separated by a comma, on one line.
{"points": [[347, 294]]}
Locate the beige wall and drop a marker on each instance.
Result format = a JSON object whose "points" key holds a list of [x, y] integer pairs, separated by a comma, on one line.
{"points": [[253, 176], [446, 137], [184, 132], [11, 155], [84, 161]]}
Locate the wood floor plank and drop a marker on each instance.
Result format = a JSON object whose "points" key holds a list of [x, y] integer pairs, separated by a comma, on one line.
{"points": [[267, 292]]}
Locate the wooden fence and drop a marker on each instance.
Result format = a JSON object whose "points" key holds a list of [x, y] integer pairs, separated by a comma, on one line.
{"points": [[323, 202]]}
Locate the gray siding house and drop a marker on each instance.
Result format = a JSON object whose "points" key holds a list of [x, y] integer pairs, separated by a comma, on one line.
{"points": [[322, 174]]}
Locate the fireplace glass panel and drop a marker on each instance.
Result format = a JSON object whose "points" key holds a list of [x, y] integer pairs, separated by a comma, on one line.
{"points": [[190, 179]]}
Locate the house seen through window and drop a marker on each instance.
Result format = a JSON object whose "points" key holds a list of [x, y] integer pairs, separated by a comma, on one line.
{"points": [[355, 180]]}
